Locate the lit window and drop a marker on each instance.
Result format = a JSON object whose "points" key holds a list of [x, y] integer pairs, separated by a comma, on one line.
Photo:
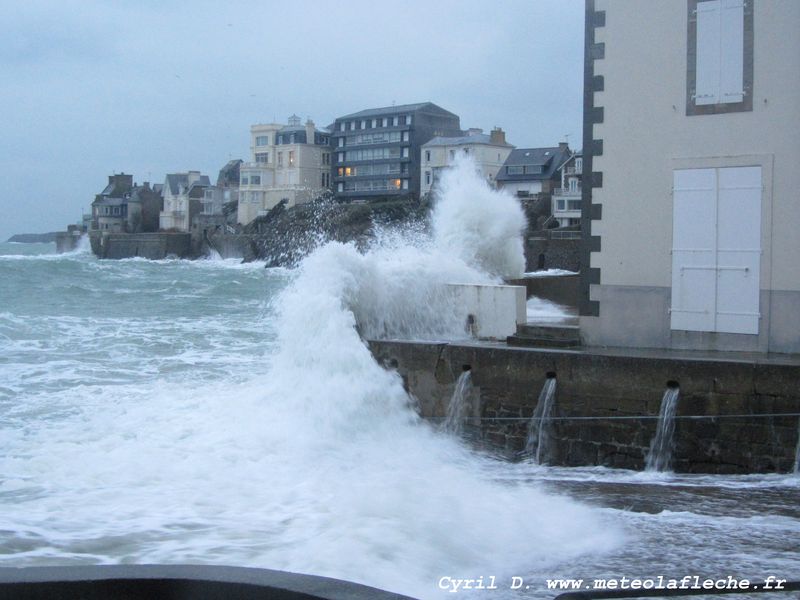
{"points": [[291, 158], [348, 172], [396, 183], [340, 171]]}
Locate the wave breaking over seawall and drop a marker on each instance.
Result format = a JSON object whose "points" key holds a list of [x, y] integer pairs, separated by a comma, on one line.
{"points": [[283, 445], [432, 505]]}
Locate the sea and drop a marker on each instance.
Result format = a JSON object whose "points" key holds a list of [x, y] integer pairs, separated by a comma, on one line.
{"points": [[213, 412]]}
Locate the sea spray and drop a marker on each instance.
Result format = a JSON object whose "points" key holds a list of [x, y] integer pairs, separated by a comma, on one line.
{"points": [[480, 225], [537, 446], [659, 458]]}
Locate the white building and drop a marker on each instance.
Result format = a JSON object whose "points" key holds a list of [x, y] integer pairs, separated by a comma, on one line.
{"points": [[288, 162], [566, 205], [489, 152], [183, 194], [692, 211]]}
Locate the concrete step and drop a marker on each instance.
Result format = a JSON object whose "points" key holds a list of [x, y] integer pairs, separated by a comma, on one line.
{"points": [[554, 336]]}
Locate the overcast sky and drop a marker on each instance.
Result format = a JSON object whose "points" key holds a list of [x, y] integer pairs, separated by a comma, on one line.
{"points": [[152, 87]]}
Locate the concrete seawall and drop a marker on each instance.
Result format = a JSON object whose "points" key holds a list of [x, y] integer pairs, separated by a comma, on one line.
{"points": [[727, 393]]}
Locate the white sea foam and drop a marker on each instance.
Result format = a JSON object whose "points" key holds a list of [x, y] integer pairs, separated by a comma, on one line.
{"points": [[186, 419]]}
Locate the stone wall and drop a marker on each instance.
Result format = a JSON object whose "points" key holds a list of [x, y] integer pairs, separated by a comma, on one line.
{"points": [[546, 253], [155, 246], [561, 289], [729, 438]]}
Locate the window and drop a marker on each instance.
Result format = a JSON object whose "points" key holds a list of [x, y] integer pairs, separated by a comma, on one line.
{"points": [[579, 165], [405, 152], [262, 140], [363, 124], [427, 156], [340, 157], [326, 158], [341, 142], [374, 123], [340, 187], [291, 139], [262, 157], [514, 170], [340, 171], [396, 121], [385, 122], [255, 180], [408, 119], [291, 158], [341, 126], [719, 56], [245, 180], [395, 183], [427, 177], [466, 150], [573, 204], [573, 184], [405, 184], [352, 125], [280, 159], [405, 137], [561, 204]]}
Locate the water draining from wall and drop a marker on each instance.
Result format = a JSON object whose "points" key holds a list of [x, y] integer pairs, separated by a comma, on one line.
{"points": [[537, 445], [659, 458], [796, 469], [459, 403]]}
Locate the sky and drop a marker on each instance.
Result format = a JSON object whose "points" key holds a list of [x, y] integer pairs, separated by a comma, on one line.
{"points": [[150, 87]]}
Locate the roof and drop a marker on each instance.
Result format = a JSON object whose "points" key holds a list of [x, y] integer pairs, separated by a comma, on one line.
{"points": [[400, 108], [177, 180], [109, 201], [549, 159], [475, 138]]}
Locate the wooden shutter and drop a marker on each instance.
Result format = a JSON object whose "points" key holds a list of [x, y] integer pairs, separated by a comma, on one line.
{"points": [[707, 80], [731, 85]]}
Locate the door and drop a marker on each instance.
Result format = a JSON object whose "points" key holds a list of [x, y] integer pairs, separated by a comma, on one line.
{"points": [[716, 250]]}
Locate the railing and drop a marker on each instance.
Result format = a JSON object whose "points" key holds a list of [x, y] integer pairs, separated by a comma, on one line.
{"points": [[564, 235], [567, 192]]}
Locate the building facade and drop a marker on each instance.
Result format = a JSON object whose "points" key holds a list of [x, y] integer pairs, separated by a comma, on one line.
{"points": [[567, 198], [288, 162], [376, 152], [531, 171], [183, 195], [695, 246], [489, 152]]}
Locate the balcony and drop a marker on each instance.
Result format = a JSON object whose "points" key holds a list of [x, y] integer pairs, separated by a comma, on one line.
{"points": [[576, 193], [574, 170]]}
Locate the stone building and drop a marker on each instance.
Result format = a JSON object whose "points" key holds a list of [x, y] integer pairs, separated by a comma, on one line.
{"points": [[183, 194], [690, 205]]}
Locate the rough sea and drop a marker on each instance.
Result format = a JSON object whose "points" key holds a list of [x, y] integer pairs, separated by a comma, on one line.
{"points": [[210, 412]]}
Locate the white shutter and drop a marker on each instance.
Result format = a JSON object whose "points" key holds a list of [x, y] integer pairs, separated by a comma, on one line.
{"points": [[694, 250], [731, 87], [738, 249], [707, 71]]}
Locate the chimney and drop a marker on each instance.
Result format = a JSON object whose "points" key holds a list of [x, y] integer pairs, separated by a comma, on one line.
{"points": [[474, 131], [310, 132], [192, 176], [497, 136], [563, 146]]}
